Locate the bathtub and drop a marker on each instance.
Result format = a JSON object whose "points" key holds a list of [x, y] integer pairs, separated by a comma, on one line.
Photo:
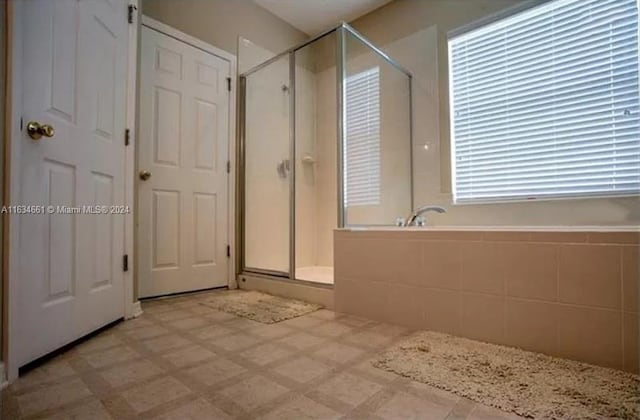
{"points": [[561, 290]]}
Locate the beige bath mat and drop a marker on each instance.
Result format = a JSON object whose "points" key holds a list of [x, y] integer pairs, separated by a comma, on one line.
{"points": [[259, 306], [529, 384]]}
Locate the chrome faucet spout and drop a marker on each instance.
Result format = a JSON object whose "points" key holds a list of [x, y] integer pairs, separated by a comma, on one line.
{"points": [[411, 220]]}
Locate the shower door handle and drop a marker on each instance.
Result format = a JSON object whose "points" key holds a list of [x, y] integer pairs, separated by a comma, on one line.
{"points": [[283, 167]]}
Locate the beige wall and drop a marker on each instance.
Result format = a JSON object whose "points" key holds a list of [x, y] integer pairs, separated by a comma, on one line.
{"points": [[414, 32], [567, 294], [221, 22], [251, 54]]}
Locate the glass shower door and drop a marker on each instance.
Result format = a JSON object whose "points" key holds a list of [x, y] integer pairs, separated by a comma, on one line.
{"points": [[267, 168]]}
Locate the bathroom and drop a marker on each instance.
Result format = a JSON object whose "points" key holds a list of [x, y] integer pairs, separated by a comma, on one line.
{"points": [[390, 209], [550, 268]]}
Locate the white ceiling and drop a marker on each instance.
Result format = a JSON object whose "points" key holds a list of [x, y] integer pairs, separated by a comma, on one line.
{"points": [[314, 16]]}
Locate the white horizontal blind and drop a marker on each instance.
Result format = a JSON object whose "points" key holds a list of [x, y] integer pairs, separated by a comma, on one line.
{"points": [[362, 142], [545, 103]]}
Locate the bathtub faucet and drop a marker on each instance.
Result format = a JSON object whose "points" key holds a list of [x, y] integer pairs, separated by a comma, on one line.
{"points": [[415, 220]]}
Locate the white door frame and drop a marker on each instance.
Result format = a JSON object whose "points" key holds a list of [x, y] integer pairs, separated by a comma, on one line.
{"points": [[231, 179], [132, 308], [132, 305]]}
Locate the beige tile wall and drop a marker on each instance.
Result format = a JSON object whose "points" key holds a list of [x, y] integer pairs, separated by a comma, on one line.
{"points": [[568, 294]]}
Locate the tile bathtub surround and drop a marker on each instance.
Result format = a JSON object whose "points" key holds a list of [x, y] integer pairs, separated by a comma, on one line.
{"points": [[570, 294], [165, 365]]}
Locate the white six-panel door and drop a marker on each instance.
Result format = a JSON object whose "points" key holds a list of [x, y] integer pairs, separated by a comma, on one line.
{"points": [[74, 79], [183, 145]]}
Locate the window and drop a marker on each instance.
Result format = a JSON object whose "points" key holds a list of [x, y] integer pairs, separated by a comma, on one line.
{"points": [[362, 142], [544, 104]]}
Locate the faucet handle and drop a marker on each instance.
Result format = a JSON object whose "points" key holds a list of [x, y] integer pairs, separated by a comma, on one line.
{"points": [[421, 221], [400, 221]]}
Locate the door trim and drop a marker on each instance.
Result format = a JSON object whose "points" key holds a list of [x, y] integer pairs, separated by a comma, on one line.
{"points": [[7, 119], [13, 191], [231, 153], [132, 307]]}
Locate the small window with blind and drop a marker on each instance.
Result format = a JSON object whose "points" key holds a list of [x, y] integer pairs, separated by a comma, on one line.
{"points": [[362, 142], [544, 104]]}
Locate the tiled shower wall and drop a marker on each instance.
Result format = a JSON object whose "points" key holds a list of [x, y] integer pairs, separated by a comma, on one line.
{"points": [[567, 294]]}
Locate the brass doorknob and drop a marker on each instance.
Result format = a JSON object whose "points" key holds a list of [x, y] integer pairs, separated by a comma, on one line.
{"points": [[144, 175], [37, 130]]}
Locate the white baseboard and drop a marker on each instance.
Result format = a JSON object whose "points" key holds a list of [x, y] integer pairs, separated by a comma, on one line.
{"points": [[136, 310], [3, 377]]}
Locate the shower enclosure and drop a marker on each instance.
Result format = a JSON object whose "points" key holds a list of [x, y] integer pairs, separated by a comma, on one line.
{"points": [[324, 143]]}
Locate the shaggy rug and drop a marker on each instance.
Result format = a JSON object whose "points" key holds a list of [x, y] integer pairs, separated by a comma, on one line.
{"points": [[259, 306], [529, 384]]}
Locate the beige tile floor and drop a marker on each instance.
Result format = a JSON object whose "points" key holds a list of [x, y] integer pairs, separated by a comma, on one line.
{"points": [[182, 360]]}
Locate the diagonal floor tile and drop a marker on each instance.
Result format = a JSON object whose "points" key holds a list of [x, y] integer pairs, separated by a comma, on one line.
{"points": [[130, 373], [265, 354], [302, 369], [199, 409], [254, 392], [93, 410], [111, 356], [302, 408], [315, 366], [340, 353], [188, 356], [165, 342], [301, 340], [147, 396], [406, 406], [350, 389], [215, 371], [235, 341], [53, 396]]}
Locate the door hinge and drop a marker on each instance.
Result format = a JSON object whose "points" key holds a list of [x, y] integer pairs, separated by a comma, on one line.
{"points": [[127, 136], [228, 166], [132, 10], [229, 84], [125, 262], [228, 251]]}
